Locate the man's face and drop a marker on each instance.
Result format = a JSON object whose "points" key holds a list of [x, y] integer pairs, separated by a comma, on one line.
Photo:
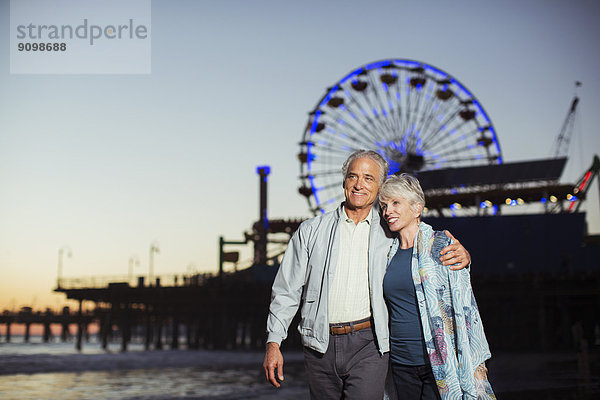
{"points": [[361, 184]]}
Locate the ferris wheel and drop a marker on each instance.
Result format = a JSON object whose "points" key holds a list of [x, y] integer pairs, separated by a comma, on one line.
{"points": [[415, 115]]}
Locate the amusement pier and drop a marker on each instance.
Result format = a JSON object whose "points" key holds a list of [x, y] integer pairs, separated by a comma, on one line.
{"points": [[535, 268]]}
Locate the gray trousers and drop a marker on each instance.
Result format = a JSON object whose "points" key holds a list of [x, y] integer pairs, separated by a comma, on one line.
{"points": [[351, 369]]}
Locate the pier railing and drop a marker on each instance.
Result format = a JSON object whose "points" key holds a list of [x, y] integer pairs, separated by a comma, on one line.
{"points": [[97, 282]]}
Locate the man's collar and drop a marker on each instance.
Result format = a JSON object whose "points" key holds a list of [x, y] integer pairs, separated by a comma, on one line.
{"points": [[346, 218]]}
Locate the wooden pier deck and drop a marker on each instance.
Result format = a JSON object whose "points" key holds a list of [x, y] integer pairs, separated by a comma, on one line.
{"points": [[28, 317], [203, 311]]}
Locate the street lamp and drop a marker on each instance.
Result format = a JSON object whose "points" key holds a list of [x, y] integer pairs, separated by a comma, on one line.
{"points": [[153, 249], [133, 260], [60, 263]]}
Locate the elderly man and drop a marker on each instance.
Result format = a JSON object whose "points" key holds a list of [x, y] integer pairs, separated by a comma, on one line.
{"points": [[333, 270]]}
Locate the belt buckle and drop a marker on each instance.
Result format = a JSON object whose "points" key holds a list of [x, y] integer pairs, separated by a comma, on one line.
{"points": [[341, 330]]}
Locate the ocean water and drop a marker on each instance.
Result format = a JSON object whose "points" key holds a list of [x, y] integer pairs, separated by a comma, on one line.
{"points": [[57, 371]]}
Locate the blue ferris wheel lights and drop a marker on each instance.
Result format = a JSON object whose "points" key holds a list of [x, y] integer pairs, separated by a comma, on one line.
{"points": [[398, 96], [375, 112], [437, 71], [408, 63], [461, 87], [329, 95], [493, 132], [489, 126], [478, 157], [378, 64], [403, 146], [385, 114], [385, 86], [471, 146], [311, 178], [481, 113], [351, 74], [341, 121], [313, 127]]}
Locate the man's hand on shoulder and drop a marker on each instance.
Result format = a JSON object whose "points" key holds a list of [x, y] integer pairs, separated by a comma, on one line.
{"points": [[455, 254], [273, 361]]}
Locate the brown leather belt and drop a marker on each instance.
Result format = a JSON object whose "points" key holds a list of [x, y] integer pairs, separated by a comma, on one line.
{"points": [[345, 328]]}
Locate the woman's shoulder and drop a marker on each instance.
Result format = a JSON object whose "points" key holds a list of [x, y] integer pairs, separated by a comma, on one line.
{"points": [[439, 240], [432, 240]]}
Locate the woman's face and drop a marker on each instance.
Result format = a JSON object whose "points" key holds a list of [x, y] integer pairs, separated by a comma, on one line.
{"points": [[399, 214]]}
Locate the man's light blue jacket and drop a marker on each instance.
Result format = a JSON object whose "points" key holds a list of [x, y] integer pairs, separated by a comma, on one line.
{"points": [[306, 273]]}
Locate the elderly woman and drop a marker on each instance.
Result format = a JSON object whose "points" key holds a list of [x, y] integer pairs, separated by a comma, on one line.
{"points": [[438, 346]]}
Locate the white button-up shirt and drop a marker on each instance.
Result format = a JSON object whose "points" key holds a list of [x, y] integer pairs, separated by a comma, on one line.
{"points": [[349, 298]]}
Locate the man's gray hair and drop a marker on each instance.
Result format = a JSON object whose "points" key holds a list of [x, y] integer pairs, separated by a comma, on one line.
{"points": [[405, 186], [372, 155]]}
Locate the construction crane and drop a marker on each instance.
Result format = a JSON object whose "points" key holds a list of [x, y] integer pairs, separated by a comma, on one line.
{"points": [[584, 184], [561, 145]]}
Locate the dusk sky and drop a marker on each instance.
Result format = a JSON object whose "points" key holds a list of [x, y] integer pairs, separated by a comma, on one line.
{"points": [[109, 164]]}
